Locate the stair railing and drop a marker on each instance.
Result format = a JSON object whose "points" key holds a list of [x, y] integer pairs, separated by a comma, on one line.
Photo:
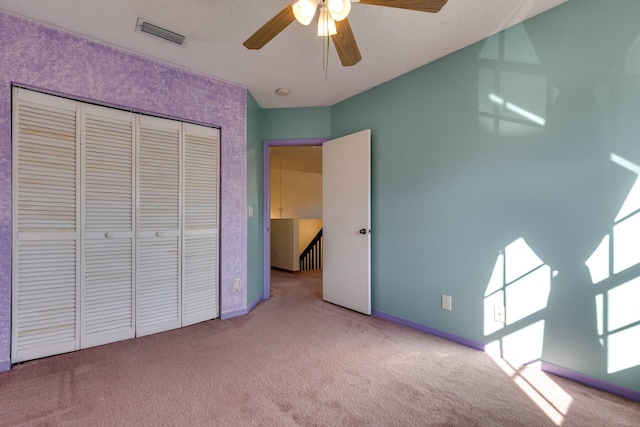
{"points": [[311, 257]]}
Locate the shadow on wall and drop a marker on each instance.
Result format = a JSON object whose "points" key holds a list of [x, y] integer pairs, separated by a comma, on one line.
{"points": [[567, 284]]}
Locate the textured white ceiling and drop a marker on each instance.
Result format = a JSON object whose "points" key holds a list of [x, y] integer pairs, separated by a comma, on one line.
{"points": [[392, 41]]}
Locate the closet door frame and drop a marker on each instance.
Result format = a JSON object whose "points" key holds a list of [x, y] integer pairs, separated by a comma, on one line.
{"points": [[76, 339]]}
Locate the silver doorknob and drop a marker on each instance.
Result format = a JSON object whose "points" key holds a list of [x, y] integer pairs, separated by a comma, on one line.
{"points": [[159, 234], [108, 235]]}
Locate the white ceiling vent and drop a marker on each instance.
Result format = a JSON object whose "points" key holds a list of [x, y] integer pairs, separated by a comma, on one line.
{"points": [[145, 26]]}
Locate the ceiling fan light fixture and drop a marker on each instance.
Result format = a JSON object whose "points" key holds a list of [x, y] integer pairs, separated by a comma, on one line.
{"points": [[339, 9], [326, 24], [305, 10]]}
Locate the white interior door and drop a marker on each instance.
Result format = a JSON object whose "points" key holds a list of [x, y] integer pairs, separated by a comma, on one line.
{"points": [[346, 217]]}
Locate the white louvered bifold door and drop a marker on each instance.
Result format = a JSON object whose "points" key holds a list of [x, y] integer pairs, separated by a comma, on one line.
{"points": [[45, 276], [200, 229], [158, 287], [108, 309]]}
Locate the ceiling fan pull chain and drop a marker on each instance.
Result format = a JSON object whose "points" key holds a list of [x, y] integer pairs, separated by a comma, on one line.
{"points": [[326, 64]]}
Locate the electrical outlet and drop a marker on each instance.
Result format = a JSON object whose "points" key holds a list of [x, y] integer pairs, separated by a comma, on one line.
{"points": [[277, 253], [237, 286], [446, 302], [499, 313]]}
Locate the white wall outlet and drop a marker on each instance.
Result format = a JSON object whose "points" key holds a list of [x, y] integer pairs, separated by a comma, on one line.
{"points": [[446, 302], [499, 313], [277, 253], [250, 211], [237, 286]]}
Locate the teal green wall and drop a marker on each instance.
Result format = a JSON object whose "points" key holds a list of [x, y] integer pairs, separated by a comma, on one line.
{"points": [[457, 178], [296, 123], [254, 198], [511, 138]]}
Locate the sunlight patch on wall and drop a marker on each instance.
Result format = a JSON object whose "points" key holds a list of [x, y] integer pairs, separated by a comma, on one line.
{"points": [[520, 282], [626, 244], [618, 304], [528, 295], [624, 304], [622, 350], [598, 262], [521, 259], [631, 203]]}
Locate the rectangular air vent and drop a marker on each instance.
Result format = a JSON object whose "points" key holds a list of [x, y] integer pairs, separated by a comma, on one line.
{"points": [[149, 28]]}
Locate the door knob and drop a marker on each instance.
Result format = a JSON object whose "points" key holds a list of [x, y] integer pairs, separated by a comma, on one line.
{"points": [[363, 231]]}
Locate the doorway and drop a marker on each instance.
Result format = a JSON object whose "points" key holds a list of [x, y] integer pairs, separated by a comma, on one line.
{"points": [[267, 145]]}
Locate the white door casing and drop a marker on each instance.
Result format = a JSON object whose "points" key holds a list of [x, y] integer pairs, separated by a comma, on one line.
{"points": [[346, 216]]}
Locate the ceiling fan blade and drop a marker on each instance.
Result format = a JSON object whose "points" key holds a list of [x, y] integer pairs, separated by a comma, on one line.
{"points": [[270, 29], [345, 43], [432, 6]]}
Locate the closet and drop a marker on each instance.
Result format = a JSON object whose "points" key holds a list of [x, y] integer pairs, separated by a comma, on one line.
{"points": [[115, 225]]}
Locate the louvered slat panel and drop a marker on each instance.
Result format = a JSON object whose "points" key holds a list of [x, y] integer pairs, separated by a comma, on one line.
{"points": [[45, 222], [200, 262], [200, 300], [158, 288], [108, 165], [46, 167], [158, 280], [108, 221], [45, 301], [159, 181], [107, 291], [201, 181]]}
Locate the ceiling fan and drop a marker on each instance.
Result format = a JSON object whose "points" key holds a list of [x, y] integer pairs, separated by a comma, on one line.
{"points": [[332, 21]]}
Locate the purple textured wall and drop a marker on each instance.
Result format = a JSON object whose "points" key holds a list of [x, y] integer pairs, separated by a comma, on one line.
{"points": [[59, 62]]}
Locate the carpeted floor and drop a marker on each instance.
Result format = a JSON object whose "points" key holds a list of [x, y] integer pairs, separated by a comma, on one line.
{"points": [[296, 360]]}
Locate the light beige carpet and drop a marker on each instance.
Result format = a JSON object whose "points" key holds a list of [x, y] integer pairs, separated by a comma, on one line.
{"points": [[296, 360]]}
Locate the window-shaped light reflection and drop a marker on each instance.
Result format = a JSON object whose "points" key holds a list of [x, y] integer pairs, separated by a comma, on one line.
{"points": [[520, 282], [520, 260], [624, 306], [618, 305], [490, 325], [600, 317], [626, 243], [598, 262], [528, 295], [512, 90], [622, 349], [631, 203]]}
